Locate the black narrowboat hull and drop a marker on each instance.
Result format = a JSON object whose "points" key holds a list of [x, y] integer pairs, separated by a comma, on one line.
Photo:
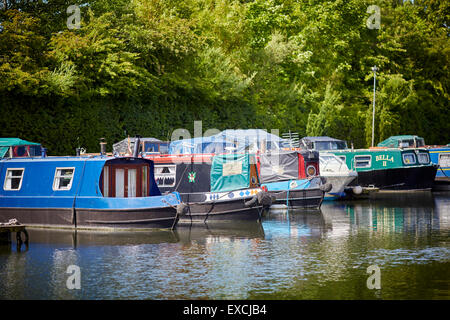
{"points": [[402, 179], [40, 217], [310, 198], [145, 218], [219, 211]]}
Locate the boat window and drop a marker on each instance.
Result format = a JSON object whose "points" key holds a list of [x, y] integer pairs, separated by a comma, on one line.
{"points": [[444, 160], [420, 142], [132, 183], [165, 175], [35, 151], [106, 181], [409, 158], [151, 147], [120, 183], [330, 145], [342, 158], [423, 158], [20, 151], [363, 161], [164, 148], [144, 181], [13, 179], [63, 179], [403, 144]]}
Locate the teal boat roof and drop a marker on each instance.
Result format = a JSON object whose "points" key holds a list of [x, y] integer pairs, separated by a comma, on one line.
{"points": [[9, 142], [391, 141], [5, 143]]}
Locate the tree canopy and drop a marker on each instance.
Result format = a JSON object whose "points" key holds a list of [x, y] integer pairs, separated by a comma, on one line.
{"points": [[150, 66]]}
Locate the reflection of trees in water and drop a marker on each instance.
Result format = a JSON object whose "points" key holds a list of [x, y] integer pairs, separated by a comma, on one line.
{"points": [[418, 212], [394, 230]]}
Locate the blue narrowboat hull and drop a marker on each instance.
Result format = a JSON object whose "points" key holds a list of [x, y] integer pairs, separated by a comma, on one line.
{"points": [[296, 194], [441, 157], [37, 203]]}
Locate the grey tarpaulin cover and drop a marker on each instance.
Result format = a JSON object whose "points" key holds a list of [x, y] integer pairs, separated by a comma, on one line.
{"points": [[124, 147], [240, 140], [279, 166]]}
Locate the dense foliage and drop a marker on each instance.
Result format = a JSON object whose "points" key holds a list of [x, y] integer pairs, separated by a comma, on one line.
{"points": [[150, 66]]}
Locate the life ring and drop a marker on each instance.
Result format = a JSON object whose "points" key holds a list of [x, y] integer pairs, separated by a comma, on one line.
{"points": [[16, 153]]}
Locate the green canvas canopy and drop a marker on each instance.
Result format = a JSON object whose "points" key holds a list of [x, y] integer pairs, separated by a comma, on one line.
{"points": [[230, 172], [5, 143], [3, 151], [9, 142], [406, 140]]}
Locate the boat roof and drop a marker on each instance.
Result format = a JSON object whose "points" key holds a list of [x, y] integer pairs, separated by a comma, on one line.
{"points": [[122, 145], [132, 139], [9, 142], [403, 136], [210, 144], [242, 134], [391, 141], [67, 158], [5, 143], [57, 158], [321, 138]]}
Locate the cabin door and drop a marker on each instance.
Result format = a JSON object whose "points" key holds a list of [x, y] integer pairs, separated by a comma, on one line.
{"points": [[125, 181]]}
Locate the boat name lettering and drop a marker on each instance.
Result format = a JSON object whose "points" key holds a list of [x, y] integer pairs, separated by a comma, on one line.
{"points": [[384, 157]]}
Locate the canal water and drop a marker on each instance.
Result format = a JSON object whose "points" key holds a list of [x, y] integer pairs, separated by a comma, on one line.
{"points": [[321, 254]]}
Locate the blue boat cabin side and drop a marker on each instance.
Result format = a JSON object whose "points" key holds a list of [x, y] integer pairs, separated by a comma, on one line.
{"points": [[56, 181], [441, 156]]}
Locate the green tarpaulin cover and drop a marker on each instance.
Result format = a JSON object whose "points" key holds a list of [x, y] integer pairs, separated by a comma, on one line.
{"points": [[5, 143], [8, 142], [393, 141], [3, 151], [230, 172]]}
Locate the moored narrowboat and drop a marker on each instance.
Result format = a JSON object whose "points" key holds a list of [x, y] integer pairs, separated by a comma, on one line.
{"points": [[217, 188], [292, 178], [94, 192], [383, 168], [391, 169], [439, 155]]}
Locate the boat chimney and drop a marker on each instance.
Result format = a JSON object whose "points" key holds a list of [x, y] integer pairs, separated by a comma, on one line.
{"points": [[137, 143], [78, 151], [43, 152], [102, 146]]}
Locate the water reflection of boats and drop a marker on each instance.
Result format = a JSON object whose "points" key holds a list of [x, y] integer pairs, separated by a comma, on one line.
{"points": [[73, 238], [406, 212], [442, 207], [403, 199], [221, 232], [295, 223]]}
